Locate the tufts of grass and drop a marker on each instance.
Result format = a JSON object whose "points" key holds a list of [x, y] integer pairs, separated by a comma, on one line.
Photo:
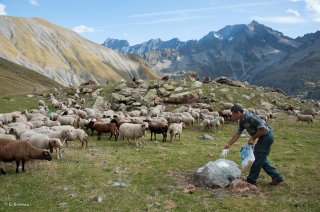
{"points": [[152, 176]]}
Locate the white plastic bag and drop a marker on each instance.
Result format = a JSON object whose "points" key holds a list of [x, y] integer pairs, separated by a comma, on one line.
{"points": [[247, 157], [224, 153]]}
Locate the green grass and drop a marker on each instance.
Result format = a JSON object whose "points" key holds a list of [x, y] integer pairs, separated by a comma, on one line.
{"points": [[155, 174]]}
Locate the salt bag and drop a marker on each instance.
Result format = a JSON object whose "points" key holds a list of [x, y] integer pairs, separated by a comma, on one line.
{"points": [[247, 157]]}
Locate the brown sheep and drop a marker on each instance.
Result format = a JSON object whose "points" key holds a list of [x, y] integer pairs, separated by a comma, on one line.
{"points": [[106, 127], [11, 150], [160, 128]]}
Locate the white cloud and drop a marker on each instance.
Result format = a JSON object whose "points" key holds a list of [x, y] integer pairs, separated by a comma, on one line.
{"points": [[34, 2], [82, 29], [203, 9], [295, 12], [2, 11], [282, 19], [314, 6]]}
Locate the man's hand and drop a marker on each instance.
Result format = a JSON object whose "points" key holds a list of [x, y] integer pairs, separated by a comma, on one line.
{"points": [[224, 153], [227, 146], [251, 141]]}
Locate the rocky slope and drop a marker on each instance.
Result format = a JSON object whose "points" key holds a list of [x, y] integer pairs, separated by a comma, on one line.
{"points": [[62, 54]]}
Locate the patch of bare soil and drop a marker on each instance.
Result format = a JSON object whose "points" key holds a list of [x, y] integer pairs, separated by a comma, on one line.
{"points": [[185, 181]]}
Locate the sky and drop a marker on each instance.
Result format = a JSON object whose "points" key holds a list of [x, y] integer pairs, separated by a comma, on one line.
{"points": [[138, 21]]}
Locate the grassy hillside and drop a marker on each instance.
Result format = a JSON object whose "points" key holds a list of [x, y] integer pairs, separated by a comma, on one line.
{"points": [[16, 79], [152, 177]]}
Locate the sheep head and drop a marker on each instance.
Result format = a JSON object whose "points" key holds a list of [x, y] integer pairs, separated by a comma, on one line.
{"points": [[46, 155], [56, 143]]}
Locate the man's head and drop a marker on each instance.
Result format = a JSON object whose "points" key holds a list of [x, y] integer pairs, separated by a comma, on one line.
{"points": [[236, 108], [237, 112]]}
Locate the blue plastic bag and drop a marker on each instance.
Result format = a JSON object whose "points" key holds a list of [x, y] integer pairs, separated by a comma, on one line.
{"points": [[247, 157]]}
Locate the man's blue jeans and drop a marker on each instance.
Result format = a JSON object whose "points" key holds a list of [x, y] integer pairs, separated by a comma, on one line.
{"points": [[261, 152]]}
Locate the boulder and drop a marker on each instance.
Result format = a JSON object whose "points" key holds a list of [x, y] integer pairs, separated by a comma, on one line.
{"points": [[217, 173], [184, 97]]}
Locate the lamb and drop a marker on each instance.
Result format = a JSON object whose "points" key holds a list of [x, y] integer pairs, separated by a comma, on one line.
{"points": [[160, 128], [44, 142], [175, 129], [206, 124], [132, 131], [215, 123], [20, 151], [78, 134], [305, 118]]}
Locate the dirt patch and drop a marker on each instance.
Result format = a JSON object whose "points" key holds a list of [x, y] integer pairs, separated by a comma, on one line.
{"points": [[185, 181]]}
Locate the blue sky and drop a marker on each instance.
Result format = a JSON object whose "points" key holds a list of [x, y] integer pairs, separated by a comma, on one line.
{"points": [[141, 20]]}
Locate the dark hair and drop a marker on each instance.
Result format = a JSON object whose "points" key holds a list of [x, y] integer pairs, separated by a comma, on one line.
{"points": [[236, 108]]}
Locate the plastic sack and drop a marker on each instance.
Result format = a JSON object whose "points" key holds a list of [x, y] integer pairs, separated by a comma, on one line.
{"points": [[224, 153], [247, 157]]}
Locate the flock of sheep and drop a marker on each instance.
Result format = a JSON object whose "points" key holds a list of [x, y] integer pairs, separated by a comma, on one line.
{"points": [[29, 135]]}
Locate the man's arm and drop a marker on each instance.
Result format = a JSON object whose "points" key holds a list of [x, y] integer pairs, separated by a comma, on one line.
{"points": [[260, 132], [234, 139]]}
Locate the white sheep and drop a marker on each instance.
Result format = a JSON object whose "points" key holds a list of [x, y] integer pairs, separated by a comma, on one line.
{"points": [[188, 120], [174, 119], [49, 123], [175, 129], [41, 103], [215, 123], [60, 134], [8, 136], [78, 134], [44, 142], [67, 120], [305, 118], [133, 131], [206, 124]]}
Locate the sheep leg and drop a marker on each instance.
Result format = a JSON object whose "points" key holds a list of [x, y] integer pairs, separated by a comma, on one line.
{"points": [[151, 136], [99, 135], [164, 137], [58, 152], [17, 166], [23, 161], [111, 135], [130, 141], [91, 131], [2, 171], [86, 143]]}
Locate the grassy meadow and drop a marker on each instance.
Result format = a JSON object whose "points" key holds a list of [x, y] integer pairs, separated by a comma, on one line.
{"points": [[152, 177]]}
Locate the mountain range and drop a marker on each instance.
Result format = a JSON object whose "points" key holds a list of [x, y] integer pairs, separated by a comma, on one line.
{"points": [[252, 52], [63, 55]]}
